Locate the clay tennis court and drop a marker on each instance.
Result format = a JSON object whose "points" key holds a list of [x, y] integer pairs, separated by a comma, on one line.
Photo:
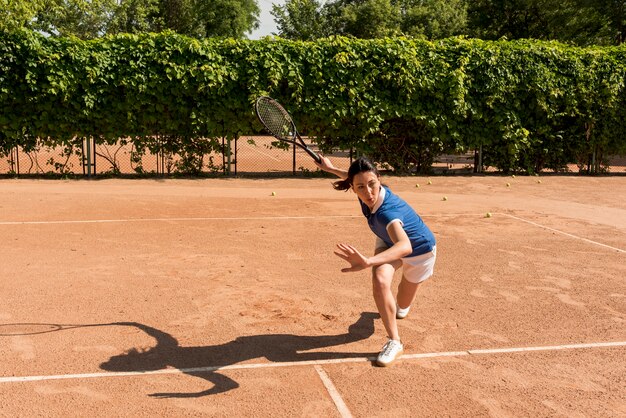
{"points": [[212, 297]]}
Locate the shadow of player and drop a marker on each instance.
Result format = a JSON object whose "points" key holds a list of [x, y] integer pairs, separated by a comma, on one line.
{"points": [[274, 347]]}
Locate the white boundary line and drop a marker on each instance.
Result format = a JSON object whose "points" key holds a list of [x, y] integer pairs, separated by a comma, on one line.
{"points": [[225, 218], [208, 369], [334, 394], [274, 218], [200, 219], [563, 233]]}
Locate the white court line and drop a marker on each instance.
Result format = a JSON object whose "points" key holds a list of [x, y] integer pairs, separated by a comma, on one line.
{"points": [[199, 219], [550, 348], [213, 218], [274, 218], [334, 394], [563, 233], [208, 369], [225, 218]]}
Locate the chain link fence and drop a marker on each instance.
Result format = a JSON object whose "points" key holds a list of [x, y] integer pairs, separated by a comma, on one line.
{"points": [[248, 155]]}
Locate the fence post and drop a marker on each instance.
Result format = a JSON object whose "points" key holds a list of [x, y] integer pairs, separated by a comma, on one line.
{"points": [[15, 160], [235, 162], [478, 159], [226, 157], [89, 156]]}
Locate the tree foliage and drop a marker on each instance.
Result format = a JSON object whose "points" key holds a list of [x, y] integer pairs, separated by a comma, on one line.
{"points": [[583, 22], [85, 19], [94, 18], [18, 14], [368, 19], [434, 19], [136, 16], [305, 20]]}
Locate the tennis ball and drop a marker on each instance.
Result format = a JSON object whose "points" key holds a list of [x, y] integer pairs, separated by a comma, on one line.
{"points": [[444, 198], [539, 181], [513, 176], [417, 186], [508, 185], [273, 193], [488, 215], [430, 182]]}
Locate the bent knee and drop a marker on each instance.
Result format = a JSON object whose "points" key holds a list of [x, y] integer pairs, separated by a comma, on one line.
{"points": [[382, 278]]}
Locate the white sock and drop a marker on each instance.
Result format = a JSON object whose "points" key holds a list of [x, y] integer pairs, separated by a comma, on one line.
{"points": [[402, 312]]}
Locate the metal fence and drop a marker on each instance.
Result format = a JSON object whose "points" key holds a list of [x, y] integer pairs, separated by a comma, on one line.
{"points": [[249, 155]]}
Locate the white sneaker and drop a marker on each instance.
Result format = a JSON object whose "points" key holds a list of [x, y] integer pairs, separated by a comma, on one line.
{"points": [[390, 353], [402, 313]]}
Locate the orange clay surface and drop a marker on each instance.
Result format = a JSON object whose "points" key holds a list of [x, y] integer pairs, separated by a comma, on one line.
{"points": [[212, 297]]}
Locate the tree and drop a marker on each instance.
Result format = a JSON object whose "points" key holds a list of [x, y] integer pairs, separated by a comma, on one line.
{"points": [[88, 19], [84, 19], [227, 18], [365, 18], [17, 14], [615, 12], [582, 22], [196, 18], [434, 19], [513, 19], [133, 16], [310, 19], [301, 19]]}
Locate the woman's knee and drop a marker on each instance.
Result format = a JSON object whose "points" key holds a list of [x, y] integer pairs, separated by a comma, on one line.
{"points": [[381, 279]]}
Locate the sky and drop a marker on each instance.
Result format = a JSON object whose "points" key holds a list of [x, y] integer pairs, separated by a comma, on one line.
{"points": [[267, 25]]}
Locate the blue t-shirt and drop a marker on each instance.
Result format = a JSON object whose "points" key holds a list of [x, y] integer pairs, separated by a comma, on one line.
{"points": [[392, 208]]}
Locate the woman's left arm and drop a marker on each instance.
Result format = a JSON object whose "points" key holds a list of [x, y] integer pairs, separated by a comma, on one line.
{"points": [[401, 248]]}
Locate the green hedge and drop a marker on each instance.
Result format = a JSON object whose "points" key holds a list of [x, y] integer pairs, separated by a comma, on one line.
{"points": [[529, 105]]}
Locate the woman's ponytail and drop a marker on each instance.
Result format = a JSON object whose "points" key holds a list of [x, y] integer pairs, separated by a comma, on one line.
{"points": [[360, 165]]}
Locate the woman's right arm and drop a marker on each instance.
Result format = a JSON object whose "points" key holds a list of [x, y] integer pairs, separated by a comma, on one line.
{"points": [[327, 166]]}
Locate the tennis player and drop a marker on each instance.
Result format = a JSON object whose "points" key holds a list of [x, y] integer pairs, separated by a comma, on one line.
{"points": [[402, 240]]}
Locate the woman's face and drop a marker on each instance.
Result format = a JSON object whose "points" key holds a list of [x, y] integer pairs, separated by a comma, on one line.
{"points": [[366, 185]]}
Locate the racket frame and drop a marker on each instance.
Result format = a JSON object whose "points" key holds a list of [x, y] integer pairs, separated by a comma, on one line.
{"points": [[294, 131]]}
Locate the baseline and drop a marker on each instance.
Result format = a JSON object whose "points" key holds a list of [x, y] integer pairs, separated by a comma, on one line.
{"points": [[469, 352]]}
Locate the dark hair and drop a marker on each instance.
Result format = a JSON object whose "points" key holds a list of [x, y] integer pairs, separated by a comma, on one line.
{"points": [[360, 165]]}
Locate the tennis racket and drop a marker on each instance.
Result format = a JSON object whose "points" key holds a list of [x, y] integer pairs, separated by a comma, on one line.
{"points": [[278, 122]]}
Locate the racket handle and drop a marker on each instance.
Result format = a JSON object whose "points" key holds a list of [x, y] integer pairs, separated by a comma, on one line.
{"points": [[313, 155]]}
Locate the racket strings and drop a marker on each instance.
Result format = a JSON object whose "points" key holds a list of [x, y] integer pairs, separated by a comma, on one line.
{"points": [[275, 119]]}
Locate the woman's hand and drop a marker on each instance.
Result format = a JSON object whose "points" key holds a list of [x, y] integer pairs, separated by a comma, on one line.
{"points": [[328, 166], [357, 260], [325, 163]]}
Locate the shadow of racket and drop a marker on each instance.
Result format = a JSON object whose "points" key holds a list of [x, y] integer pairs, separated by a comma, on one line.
{"points": [[34, 328]]}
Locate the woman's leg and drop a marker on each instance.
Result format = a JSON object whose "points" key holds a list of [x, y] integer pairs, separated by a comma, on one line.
{"points": [[382, 276], [415, 271], [406, 293]]}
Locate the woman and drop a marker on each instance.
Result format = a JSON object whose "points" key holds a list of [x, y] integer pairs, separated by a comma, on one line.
{"points": [[402, 240]]}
